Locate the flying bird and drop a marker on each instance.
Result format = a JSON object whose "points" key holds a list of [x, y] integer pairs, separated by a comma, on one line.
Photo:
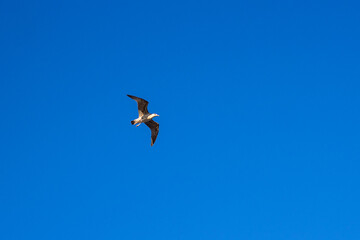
{"points": [[146, 117]]}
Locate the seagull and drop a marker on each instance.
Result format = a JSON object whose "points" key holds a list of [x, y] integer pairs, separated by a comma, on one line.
{"points": [[146, 117]]}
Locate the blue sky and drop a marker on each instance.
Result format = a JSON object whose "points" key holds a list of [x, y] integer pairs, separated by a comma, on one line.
{"points": [[259, 120]]}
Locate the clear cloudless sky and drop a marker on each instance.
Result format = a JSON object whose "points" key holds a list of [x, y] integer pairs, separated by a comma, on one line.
{"points": [[259, 105]]}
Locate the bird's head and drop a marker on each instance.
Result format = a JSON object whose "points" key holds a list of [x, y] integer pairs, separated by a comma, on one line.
{"points": [[154, 115]]}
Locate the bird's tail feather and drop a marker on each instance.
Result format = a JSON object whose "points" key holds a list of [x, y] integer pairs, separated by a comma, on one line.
{"points": [[132, 122]]}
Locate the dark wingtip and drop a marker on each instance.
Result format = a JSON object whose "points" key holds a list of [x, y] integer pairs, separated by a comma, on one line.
{"points": [[131, 96]]}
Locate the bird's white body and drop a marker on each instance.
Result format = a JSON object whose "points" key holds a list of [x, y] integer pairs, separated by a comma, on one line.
{"points": [[145, 118]]}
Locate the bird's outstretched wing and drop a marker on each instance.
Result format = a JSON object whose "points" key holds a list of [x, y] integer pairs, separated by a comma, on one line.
{"points": [[142, 105], [154, 126]]}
